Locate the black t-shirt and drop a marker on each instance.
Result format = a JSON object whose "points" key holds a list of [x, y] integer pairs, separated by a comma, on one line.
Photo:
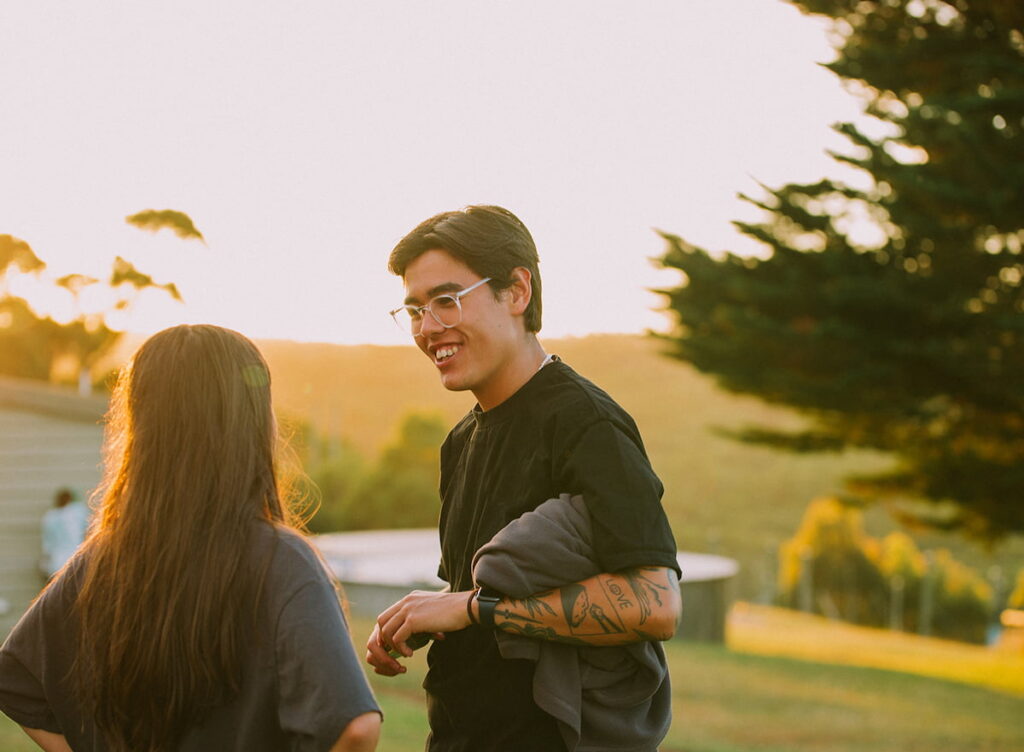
{"points": [[301, 682], [558, 434]]}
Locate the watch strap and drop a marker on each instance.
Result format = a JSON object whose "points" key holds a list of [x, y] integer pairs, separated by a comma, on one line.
{"points": [[487, 601]]}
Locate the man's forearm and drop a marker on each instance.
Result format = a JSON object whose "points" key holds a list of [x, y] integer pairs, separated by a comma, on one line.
{"points": [[608, 609]]}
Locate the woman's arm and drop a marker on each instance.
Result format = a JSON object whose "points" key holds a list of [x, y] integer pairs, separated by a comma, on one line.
{"points": [[47, 740], [360, 735]]}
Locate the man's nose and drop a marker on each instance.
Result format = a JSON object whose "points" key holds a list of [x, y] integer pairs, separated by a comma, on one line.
{"points": [[429, 325]]}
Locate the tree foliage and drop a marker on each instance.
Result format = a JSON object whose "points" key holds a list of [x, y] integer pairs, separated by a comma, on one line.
{"points": [[832, 567], [16, 253], [832, 551], [36, 346], [1016, 598], [889, 309], [400, 490], [328, 471], [154, 220]]}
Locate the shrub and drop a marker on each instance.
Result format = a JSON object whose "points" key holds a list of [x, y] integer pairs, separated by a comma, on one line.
{"points": [[832, 567], [1016, 599], [399, 490]]}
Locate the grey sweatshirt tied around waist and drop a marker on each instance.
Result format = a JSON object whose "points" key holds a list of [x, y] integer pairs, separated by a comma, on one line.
{"points": [[604, 698]]}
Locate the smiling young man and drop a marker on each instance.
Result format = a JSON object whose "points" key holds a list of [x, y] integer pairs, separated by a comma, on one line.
{"points": [[473, 307]]}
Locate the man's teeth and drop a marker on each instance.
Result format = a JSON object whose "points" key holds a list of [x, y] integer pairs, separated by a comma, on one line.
{"points": [[444, 353]]}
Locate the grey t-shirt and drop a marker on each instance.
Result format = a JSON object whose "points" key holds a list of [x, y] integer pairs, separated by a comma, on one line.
{"points": [[301, 685]]}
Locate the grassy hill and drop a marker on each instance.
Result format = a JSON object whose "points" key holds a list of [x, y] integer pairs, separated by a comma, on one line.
{"points": [[721, 496]]}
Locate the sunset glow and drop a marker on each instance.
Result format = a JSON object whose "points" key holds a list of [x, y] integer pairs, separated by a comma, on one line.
{"points": [[304, 141]]}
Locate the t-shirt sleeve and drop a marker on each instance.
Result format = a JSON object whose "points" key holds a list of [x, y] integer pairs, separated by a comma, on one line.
{"points": [[321, 684], [22, 695], [623, 495]]}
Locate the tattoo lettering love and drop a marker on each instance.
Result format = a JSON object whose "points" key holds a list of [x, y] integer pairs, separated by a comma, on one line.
{"points": [[618, 594]]}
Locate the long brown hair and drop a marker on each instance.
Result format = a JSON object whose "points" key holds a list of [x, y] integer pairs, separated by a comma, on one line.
{"points": [[168, 593]]}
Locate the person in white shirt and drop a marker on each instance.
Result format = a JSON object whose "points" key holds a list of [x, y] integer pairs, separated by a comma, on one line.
{"points": [[63, 531]]}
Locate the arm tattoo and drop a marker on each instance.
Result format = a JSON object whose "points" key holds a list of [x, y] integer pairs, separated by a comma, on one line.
{"points": [[533, 606], [607, 609], [542, 633], [574, 604], [616, 594], [644, 588], [585, 617], [606, 624]]}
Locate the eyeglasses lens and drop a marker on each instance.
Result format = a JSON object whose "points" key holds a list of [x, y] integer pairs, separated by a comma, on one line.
{"points": [[444, 308]]}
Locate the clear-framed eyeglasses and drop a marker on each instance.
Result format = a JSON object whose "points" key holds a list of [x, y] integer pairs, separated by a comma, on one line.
{"points": [[445, 309]]}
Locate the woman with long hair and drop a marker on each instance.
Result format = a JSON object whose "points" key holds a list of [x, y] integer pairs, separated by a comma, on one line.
{"points": [[194, 617]]}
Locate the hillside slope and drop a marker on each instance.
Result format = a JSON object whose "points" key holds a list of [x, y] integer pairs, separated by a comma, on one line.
{"points": [[721, 496]]}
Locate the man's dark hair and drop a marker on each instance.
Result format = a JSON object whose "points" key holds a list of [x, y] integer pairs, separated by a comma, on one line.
{"points": [[490, 240]]}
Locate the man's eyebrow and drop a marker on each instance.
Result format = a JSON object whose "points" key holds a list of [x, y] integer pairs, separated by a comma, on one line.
{"points": [[436, 290]]}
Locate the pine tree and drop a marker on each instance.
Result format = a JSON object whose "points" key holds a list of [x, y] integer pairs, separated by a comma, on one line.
{"points": [[909, 343]]}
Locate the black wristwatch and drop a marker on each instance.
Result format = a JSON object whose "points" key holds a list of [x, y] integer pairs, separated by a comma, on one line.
{"points": [[486, 601]]}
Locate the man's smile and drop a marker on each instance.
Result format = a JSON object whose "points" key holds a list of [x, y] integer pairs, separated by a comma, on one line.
{"points": [[444, 352]]}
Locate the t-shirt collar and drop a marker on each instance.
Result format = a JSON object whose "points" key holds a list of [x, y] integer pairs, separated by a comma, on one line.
{"points": [[509, 407]]}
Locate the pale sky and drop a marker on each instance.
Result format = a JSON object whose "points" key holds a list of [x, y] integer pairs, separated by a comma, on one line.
{"points": [[305, 139]]}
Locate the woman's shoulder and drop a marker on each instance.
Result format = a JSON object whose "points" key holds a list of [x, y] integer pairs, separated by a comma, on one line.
{"points": [[294, 560]]}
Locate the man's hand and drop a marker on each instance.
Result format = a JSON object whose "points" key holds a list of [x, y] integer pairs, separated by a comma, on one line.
{"points": [[420, 611]]}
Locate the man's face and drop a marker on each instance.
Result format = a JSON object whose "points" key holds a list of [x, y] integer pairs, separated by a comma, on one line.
{"points": [[474, 354]]}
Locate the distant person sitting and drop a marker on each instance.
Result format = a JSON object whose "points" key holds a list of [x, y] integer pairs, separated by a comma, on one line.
{"points": [[63, 531]]}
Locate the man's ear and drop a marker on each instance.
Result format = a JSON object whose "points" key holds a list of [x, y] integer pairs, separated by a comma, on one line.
{"points": [[520, 292]]}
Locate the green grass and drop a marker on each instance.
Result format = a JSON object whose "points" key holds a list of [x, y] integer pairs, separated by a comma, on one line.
{"points": [[12, 738], [799, 698], [739, 701], [734, 702], [764, 630]]}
